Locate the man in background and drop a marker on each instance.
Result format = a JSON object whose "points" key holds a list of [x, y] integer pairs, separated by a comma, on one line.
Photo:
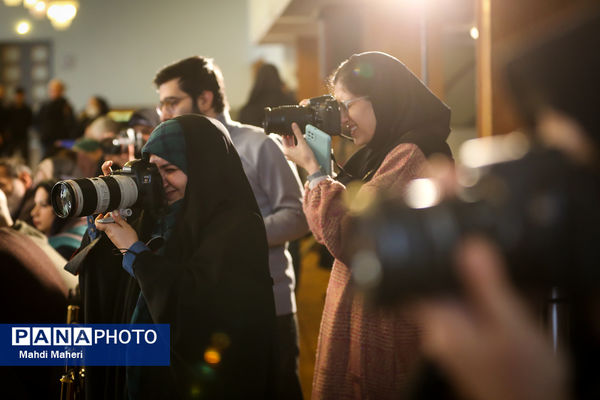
{"points": [[20, 118], [16, 182], [55, 120]]}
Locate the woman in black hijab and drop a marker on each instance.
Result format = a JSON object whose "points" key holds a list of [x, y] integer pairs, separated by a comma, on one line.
{"points": [[365, 352], [210, 280]]}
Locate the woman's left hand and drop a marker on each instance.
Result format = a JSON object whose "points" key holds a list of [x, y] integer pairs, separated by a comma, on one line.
{"points": [[300, 153], [119, 232]]}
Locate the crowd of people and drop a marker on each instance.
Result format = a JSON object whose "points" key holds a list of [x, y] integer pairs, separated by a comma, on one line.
{"points": [[214, 263]]}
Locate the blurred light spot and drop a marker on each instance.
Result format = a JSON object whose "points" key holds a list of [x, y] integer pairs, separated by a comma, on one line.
{"points": [[366, 269], [474, 32], [479, 152], [39, 9], [29, 3], [12, 3], [61, 13], [422, 193], [23, 27], [195, 392], [212, 356]]}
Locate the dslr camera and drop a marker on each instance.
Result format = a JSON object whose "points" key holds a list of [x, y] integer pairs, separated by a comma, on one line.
{"points": [[137, 186], [538, 207], [322, 112]]}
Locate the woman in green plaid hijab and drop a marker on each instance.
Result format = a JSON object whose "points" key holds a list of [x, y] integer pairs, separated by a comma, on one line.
{"points": [[210, 279]]}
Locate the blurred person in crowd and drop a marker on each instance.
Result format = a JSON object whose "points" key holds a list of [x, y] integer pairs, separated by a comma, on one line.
{"points": [[268, 91], [365, 352], [195, 85], [206, 278], [3, 120], [5, 217], [97, 141], [40, 240], [101, 128], [96, 106], [32, 292], [16, 183], [20, 118], [63, 165], [63, 234], [90, 156], [55, 120], [143, 122]]}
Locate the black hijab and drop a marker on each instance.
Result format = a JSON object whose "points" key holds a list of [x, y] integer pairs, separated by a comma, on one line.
{"points": [[405, 111], [212, 279], [216, 181], [217, 281]]}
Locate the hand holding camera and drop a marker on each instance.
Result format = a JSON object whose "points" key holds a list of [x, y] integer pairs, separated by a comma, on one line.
{"points": [[119, 231], [312, 123], [300, 153]]}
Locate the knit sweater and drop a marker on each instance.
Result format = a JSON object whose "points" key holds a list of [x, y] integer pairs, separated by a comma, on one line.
{"points": [[362, 352]]}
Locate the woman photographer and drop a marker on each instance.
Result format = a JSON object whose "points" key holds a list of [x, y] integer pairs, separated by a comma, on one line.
{"points": [[365, 352], [209, 279]]}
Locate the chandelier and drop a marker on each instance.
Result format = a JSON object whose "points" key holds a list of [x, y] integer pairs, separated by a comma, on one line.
{"points": [[60, 12]]}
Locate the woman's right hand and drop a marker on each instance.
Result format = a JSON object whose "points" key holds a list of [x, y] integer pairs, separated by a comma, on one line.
{"points": [[300, 153], [106, 167]]}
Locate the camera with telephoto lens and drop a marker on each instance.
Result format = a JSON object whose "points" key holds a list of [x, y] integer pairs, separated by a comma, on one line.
{"points": [[138, 186], [538, 207], [321, 112]]}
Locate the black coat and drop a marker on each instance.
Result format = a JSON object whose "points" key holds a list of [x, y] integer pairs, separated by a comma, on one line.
{"points": [[212, 284]]}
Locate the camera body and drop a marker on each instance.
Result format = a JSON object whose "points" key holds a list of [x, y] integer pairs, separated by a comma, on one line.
{"points": [[137, 186], [322, 112], [540, 210]]}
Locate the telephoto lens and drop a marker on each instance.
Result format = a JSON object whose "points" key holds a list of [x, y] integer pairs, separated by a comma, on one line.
{"points": [[78, 197], [137, 185]]}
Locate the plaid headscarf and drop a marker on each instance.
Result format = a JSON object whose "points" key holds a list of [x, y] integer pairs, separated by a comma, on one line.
{"points": [[167, 141]]}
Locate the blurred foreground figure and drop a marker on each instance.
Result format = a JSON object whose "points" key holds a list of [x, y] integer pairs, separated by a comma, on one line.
{"points": [[488, 343]]}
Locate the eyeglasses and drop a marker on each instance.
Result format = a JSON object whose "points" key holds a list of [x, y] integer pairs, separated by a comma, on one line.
{"points": [[345, 105], [169, 103]]}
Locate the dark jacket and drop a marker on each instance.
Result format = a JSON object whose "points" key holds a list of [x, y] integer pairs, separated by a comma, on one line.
{"points": [[211, 284]]}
